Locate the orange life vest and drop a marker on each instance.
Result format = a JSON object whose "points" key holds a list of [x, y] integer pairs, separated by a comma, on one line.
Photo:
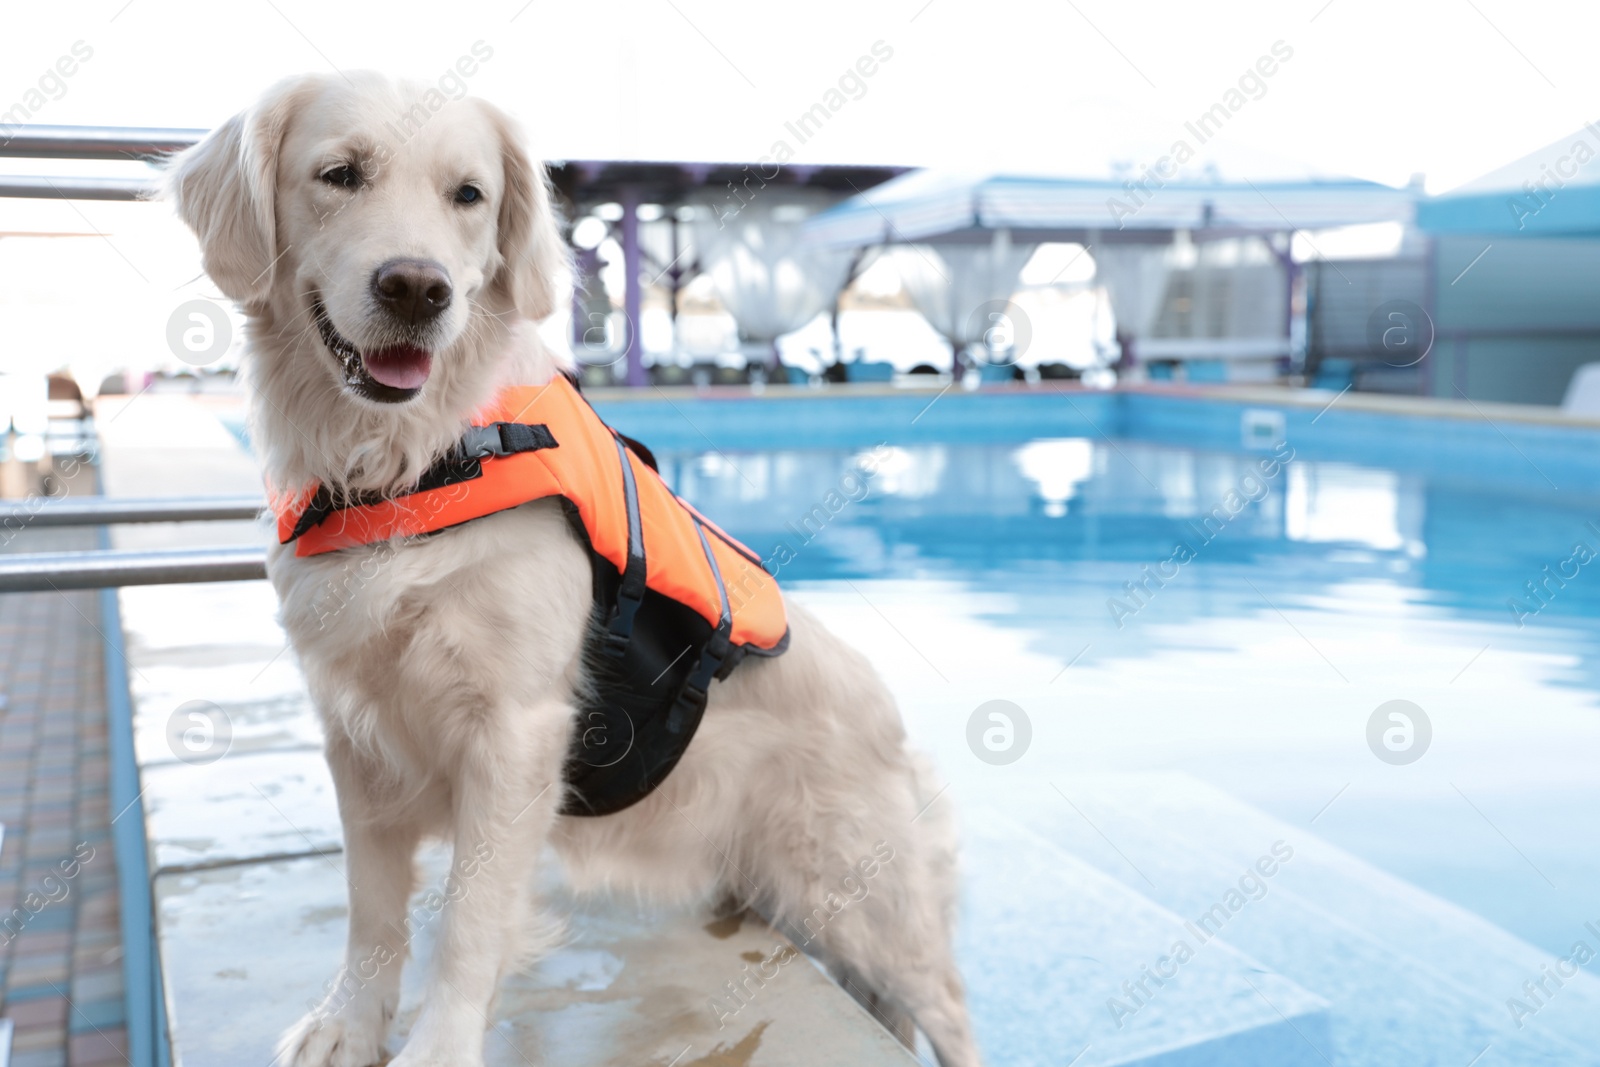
{"points": [[677, 601]]}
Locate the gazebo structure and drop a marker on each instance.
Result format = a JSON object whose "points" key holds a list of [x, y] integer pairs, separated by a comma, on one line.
{"points": [[743, 224], [974, 233]]}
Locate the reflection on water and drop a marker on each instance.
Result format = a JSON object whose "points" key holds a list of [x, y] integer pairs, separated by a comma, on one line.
{"points": [[1056, 468], [991, 514], [1334, 503]]}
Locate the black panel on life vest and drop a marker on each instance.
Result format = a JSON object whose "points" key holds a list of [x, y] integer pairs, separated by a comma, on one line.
{"points": [[640, 709]]}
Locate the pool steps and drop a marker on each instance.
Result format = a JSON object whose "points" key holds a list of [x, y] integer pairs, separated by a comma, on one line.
{"points": [[1410, 978]]}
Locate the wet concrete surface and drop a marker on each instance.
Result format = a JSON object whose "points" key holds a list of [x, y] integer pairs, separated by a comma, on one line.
{"points": [[253, 944]]}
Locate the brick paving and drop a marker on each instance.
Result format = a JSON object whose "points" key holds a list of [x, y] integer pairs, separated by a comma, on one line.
{"points": [[60, 943]]}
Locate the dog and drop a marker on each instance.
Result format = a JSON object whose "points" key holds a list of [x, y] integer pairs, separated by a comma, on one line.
{"points": [[392, 262]]}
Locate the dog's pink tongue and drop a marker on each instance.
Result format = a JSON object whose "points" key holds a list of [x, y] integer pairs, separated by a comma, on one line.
{"points": [[400, 367]]}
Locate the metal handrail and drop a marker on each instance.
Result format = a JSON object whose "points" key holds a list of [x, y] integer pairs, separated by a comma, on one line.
{"points": [[96, 142], [88, 142], [38, 571], [62, 187], [42, 571], [101, 510]]}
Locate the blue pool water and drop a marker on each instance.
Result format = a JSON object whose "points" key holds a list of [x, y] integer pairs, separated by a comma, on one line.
{"points": [[1183, 725]]}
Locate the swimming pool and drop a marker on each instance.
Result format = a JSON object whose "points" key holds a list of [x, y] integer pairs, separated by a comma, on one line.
{"points": [[1199, 606]]}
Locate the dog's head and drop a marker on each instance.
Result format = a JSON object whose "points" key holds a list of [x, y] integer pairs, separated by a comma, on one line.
{"points": [[380, 219]]}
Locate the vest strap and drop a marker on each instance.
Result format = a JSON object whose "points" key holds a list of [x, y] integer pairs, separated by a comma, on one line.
{"points": [[691, 701], [460, 464], [630, 593], [505, 439]]}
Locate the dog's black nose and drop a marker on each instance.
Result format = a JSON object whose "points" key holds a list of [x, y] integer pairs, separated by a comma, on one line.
{"points": [[413, 290]]}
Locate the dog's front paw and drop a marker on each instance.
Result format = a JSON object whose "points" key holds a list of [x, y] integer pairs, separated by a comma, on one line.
{"points": [[348, 1037], [443, 1038]]}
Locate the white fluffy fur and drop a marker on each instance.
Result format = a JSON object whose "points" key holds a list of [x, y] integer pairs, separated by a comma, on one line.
{"points": [[444, 668]]}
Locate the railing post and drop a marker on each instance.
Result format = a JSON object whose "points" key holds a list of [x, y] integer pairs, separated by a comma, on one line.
{"points": [[632, 292]]}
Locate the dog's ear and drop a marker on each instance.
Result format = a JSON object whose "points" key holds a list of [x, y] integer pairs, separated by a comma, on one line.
{"points": [[226, 186], [533, 258]]}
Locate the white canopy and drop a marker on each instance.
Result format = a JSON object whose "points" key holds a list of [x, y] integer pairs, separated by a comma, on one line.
{"points": [[945, 206], [770, 279], [951, 285]]}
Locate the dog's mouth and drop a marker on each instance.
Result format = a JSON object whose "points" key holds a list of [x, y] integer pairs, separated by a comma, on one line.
{"points": [[391, 374]]}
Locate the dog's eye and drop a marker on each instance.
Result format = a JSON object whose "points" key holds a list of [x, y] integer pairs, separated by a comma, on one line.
{"points": [[345, 176], [468, 194]]}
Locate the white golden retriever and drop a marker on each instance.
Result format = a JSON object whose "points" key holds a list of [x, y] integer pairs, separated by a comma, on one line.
{"points": [[447, 688]]}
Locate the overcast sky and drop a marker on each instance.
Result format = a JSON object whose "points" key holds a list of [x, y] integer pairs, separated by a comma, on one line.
{"points": [[1379, 89]]}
